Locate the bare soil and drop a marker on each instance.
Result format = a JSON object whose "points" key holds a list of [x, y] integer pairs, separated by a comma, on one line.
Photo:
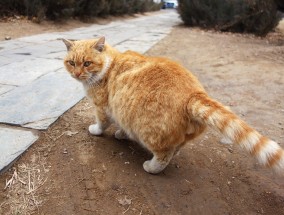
{"points": [[100, 175]]}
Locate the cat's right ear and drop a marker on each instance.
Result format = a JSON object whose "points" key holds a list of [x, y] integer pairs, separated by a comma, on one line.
{"points": [[100, 44], [68, 44]]}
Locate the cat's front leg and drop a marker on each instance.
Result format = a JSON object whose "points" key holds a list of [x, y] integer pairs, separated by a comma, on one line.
{"points": [[102, 122], [96, 129]]}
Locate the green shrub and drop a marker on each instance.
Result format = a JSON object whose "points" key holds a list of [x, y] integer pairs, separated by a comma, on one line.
{"points": [[58, 9], [11, 7], [280, 4], [251, 16]]}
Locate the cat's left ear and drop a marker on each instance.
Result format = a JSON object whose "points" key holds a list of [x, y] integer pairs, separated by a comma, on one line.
{"points": [[68, 44], [100, 44]]}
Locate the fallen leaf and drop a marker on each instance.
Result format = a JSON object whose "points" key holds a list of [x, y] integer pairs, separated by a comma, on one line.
{"points": [[71, 133], [124, 201]]}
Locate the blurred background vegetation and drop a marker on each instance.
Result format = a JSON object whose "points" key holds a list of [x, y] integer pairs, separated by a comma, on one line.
{"points": [[244, 16], [84, 9]]}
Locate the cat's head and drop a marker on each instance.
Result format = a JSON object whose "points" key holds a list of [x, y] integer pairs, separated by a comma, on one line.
{"points": [[86, 59]]}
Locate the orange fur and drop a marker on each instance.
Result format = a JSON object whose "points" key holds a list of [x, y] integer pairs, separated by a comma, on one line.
{"points": [[157, 103]]}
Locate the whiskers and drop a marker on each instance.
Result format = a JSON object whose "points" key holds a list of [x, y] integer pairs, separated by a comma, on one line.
{"points": [[92, 80]]}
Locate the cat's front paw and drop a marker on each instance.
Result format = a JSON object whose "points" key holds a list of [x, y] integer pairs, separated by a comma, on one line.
{"points": [[95, 129]]}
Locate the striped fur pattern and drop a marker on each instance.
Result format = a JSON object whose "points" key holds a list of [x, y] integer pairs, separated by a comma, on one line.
{"points": [[214, 114], [157, 103]]}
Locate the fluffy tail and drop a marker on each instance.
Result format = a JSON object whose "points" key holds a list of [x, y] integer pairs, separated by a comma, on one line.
{"points": [[206, 110]]}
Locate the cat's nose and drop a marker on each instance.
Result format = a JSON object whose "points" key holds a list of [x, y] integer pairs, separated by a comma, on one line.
{"points": [[77, 74]]}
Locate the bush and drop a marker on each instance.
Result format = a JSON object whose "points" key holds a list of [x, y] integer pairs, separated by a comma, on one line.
{"points": [[58, 9], [10, 7], [250, 16], [280, 4]]}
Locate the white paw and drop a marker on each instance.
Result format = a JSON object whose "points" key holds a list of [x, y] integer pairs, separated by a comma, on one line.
{"points": [[120, 135], [95, 129], [146, 166], [153, 167]]}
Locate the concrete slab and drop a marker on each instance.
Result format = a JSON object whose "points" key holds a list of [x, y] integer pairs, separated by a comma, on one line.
{"points": [[41, 38], [5, 88], [14, 142], [22, 73], [41, 102], [12, 44], [58, 55], [5, 60], [141, 43]]}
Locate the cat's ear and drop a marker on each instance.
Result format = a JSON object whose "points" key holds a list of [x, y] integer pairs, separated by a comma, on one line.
{"points": [[68, 43], [100, 44]]}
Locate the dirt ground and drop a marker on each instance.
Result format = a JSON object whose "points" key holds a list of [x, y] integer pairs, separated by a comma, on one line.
{"points": [[68, 171]]}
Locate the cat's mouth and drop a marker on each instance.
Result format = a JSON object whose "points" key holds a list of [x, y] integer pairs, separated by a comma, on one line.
{"points": [[81, 77], [91, 80]]}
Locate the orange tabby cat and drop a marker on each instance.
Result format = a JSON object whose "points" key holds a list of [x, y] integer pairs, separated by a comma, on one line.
{"points": [[157, 103]]}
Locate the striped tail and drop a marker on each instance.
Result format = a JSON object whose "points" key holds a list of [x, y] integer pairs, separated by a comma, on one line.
{"points": [[207, 111]]}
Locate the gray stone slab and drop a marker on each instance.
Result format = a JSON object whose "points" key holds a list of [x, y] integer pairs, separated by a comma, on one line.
{"points": [[29, 52], [41, 38], [58, 55], [5, 88], [14, 57], [93, 28], [5, 60], [13, 143], [22, 73], [141, 43], [134, 45], [56, 45], [40, 103], [12, 44]]}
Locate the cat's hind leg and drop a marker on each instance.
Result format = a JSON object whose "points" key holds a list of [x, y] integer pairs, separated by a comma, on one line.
{"points": [[120, 135], [159, 161]]}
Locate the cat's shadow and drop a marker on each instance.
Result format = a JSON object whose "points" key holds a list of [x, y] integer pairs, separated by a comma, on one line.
{"points": [[130, 152]]}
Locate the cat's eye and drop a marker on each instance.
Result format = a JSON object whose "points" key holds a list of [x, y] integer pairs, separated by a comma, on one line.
{"points": [[87, 63], [71, 62]]}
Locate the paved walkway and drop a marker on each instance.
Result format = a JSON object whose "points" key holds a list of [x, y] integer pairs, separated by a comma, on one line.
{"points": [[35, 89]]}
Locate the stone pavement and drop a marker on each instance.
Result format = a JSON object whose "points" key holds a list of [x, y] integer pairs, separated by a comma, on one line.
{"points": [[35, 89]]}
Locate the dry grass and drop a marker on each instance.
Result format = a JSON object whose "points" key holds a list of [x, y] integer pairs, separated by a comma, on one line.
{"points": [[22, 187]]}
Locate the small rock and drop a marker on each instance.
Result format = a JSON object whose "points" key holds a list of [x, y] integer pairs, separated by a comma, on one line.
{"points": [[71, 133], [230, 150], [124, 201], [8, 38], [65, 151], [115, 187]]}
